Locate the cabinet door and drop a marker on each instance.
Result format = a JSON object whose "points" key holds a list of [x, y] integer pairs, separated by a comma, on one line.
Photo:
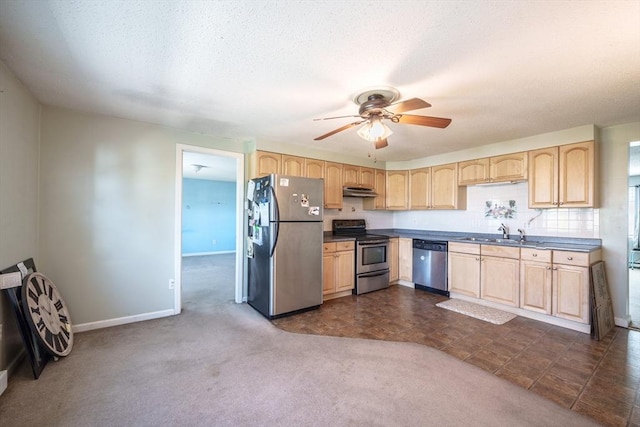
{"points": [[367, 177], [350, 175], [394, 259], [444, 187], [345, 270], [397, 190], [543, 178], [571, 292], [535, 286], [464, 274], [333, 185], [293, 165], [328, 273], [405, 261], [500, 279], [266, 163], [473, 171], [576, 175], [379, 185], [420, 188], [510, 167], [314, 168]]}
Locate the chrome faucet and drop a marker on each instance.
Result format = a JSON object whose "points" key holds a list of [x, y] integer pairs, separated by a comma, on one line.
{"points": [[521, 231], [505, 231]]}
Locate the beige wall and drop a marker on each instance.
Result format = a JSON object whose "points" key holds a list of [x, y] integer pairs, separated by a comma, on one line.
{"points": [[108, 212], [19, 132]]}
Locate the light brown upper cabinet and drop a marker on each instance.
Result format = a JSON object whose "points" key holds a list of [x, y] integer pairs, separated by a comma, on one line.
{"points": [[265, 163], [472, 172], [314, 168], [436, 188], [420, 188], [397, 190], [563, 176], [357, 176], [332, 185], [380, 186], [293, 165], [445, 193], [508, 167]]}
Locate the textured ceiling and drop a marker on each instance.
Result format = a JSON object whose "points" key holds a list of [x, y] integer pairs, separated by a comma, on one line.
{"points": [[264, 69]]}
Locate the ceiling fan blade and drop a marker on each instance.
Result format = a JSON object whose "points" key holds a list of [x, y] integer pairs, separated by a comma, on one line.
{"points": [[381, 143], [330, 118], [408, 105], [436, 122], [333, 132]]}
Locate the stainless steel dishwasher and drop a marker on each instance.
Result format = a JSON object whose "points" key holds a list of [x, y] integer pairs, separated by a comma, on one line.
{"points": [[430, 266]]}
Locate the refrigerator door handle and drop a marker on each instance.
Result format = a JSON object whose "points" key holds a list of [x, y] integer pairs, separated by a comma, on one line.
{"points": [[276, 219]]}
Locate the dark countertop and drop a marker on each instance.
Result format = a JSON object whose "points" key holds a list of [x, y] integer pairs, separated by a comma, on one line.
{"points": [[536, 242]]}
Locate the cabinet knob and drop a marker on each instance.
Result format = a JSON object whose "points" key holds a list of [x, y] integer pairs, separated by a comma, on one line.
{"points": [[554, 268], [534, 255], [569, 258], [478, 259], [548, 268], [562, 203]]}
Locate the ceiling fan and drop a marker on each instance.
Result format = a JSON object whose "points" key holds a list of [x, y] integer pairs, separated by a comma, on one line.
{"points": [[376, 105]]}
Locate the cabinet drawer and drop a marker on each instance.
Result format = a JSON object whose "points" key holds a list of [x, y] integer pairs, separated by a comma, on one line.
{"points": [[465, 248], [571, 258], [500, 251], [329, 247], [540, 255], [345, 246]]}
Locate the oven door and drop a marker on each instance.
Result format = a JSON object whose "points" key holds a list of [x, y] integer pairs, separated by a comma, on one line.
{"points": [[372, 255]]}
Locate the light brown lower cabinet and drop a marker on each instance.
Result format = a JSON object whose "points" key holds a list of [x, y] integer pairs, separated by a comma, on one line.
{"points": [[557, 282], [500, 274], [338, 268], [463, 269], [405, 259], [393, 260], [535, 280]]}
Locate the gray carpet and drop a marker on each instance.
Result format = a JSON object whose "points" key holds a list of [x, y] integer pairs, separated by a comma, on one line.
{"points": [[223, 364]]}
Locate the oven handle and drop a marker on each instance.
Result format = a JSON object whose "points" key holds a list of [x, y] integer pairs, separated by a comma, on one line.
{"points": [[374, 274], [372, 242]]}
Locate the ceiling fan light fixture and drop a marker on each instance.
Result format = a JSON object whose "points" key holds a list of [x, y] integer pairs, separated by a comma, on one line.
{"points": [[374, 130]]}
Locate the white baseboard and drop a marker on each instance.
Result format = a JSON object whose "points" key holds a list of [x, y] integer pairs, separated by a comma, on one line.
{"points": [[208, 253], [11, 368], [407, 284], [3, 381], [575, 326], [82, 327], [622, 322]]}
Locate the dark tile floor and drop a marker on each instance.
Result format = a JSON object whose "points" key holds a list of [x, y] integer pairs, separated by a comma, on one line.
{"points": [[600, 379]]}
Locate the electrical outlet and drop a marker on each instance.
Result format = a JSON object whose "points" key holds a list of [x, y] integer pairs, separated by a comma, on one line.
{"points": [[172, 284]]}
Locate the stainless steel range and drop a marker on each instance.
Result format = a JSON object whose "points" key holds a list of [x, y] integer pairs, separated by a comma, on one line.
{"points": [[372, 254]]}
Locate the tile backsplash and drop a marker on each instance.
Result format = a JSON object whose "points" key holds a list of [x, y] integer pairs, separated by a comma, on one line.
{"points": [[561, 222]]}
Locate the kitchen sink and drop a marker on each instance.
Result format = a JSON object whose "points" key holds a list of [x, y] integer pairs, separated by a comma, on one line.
{"points": [[485, 240], [477, 239]]}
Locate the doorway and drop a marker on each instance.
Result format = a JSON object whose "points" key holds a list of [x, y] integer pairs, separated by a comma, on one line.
{"points": [[224, 172], [634, 234]]}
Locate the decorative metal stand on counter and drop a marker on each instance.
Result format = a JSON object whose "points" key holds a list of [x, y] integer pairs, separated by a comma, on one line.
{"points": [[38, 356]]}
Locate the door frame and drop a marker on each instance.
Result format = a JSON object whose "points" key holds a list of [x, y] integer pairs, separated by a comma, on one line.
{"points": [[239, 159]]}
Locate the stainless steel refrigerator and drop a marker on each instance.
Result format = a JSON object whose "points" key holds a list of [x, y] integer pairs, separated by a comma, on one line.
{"points": [[284, 245]]}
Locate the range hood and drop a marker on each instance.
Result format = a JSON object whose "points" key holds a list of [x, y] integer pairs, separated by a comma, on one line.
{"points": [[358, 192]]}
